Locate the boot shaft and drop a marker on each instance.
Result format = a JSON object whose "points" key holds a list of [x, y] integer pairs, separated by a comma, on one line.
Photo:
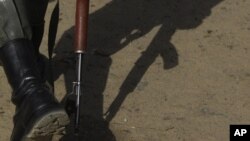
{"points": [[19, 63]]}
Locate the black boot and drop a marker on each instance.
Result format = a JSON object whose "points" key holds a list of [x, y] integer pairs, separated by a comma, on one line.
{"points": [[38, 112]]}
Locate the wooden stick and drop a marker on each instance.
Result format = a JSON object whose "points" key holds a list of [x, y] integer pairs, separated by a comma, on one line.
{"points": [[81, 25]]}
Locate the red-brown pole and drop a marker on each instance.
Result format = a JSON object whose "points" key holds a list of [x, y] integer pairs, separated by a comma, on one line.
{"points": [[81, 25], [81, 31]]}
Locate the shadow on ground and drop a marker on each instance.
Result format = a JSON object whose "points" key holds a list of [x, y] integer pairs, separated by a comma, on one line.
{"points": [[112, 28]]}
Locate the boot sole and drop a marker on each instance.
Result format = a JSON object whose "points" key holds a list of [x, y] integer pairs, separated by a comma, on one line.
{"points": [[49, 124]]}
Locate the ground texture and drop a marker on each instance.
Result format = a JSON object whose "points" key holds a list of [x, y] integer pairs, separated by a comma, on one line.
{"points": [[156, 70]]}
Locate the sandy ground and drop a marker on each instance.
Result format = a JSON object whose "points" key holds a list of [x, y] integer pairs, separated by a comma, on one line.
{"points": [[156, 70]]}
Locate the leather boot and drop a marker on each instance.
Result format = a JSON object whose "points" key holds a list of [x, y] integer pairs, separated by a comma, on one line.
{"points": [[38, 113]]}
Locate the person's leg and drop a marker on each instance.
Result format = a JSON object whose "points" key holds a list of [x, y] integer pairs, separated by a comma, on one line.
{"points": [[36, 10], [38, 112]]}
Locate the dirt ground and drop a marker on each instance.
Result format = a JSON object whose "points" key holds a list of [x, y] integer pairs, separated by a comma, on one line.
{"points": [[156, 70]]}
